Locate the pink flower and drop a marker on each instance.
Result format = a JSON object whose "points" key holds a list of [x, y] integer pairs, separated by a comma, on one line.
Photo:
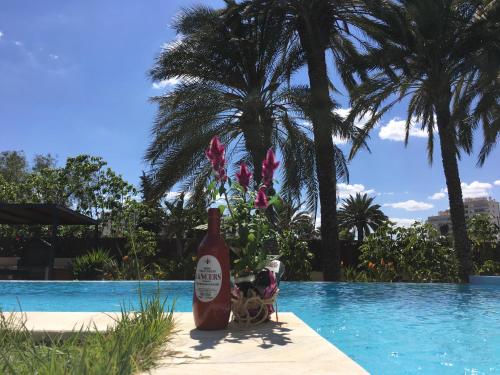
{"points": [[269, 165], [244, 176], [221, 174], [216, 155], [261, 200]]}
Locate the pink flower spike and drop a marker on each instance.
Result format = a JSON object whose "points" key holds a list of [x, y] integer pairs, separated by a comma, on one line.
{"points": [[244, 176], [215, 149], [215, 154], [269, 165], [261, 200]]}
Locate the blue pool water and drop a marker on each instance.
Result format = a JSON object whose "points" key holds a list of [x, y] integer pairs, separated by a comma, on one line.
{"points": [[387, 328]]}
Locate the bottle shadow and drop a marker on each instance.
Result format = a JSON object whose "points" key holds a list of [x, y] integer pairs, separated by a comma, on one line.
{"points": [[270, 334]]}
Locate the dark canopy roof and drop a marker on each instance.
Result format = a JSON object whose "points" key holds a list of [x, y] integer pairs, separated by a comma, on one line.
{"points": [[37, 213]]}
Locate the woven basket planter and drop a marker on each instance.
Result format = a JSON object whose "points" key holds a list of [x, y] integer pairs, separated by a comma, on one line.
{"points": [[250, 309]]}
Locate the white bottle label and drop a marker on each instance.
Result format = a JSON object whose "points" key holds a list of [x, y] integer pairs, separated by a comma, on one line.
{"points": [[208, 278]]}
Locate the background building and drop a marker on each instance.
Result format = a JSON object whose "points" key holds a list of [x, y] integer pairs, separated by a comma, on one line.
{"points": [[473, 206]]}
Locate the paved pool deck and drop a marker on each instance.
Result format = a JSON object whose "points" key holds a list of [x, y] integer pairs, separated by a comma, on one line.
{"points": [[287, 347]]}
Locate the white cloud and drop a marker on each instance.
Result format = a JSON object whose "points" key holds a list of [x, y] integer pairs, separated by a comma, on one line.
{"points": [[438, 196], [403, 222], [18, 43], [170, 82], [476, 189], [395, 130], [173, 195], [173, 43], [359, 122], [410, 205], [1, 35], [53, 57], [345, 190], [317, 223], [339, 140]]}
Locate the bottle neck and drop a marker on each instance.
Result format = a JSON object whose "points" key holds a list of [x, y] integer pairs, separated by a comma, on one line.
{"points": [[214, 221]]}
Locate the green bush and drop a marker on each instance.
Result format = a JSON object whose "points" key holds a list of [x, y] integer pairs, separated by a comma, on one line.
{"points": [[483, 236], [180, 268], [417, 254], [93, 265], [295, 256], [490, 268]]}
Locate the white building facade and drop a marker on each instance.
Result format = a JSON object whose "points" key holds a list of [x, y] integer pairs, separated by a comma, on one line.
{"points": [[472, 206]]}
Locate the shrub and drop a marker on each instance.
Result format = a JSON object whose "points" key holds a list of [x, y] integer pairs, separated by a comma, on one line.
{"points": [[179, 268], [490, 268], [416, 254], [93, 265], [352, 274], [295, 256], [483, 236]]}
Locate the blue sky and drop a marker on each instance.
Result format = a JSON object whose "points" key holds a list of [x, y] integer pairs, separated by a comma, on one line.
{"points": [[73, 80]]}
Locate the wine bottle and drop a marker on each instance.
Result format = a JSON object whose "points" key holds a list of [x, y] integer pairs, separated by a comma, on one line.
{"points": [[212, 295]]}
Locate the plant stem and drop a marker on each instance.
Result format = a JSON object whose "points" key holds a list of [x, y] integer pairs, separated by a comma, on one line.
{"points": [[228, 205]]}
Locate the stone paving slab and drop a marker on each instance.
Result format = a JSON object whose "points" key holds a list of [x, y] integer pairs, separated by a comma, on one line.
{"points": [[287, 347]]}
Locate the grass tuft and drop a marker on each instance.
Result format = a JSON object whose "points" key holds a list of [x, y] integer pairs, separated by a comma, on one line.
{"points": [[134, 344]]}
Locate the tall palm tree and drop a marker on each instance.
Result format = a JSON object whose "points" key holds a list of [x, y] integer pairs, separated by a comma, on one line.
{"points": [[360, 213], [426, 50], [316, 27], [234, 73]]}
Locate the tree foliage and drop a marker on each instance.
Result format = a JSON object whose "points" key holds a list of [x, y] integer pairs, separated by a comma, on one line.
{"points": [[417, 254], [84, 183], [361, 214]]}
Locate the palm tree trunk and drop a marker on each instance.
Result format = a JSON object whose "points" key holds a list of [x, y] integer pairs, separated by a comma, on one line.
{"points": [[257, 131], [254, 145], [447, 138], [325, 162], [361, 233]]}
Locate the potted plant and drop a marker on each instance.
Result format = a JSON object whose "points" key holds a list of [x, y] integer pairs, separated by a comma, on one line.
{"points": [[248, 231]]}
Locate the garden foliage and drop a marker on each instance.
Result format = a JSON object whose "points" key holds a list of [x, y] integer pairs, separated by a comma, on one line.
{"points": [[417, 254]]}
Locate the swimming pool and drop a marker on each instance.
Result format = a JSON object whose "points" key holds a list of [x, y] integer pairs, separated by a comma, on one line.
{"points": [[387, 328]]}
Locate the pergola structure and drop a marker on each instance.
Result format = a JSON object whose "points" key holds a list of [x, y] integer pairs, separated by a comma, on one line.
{"points": [[45, 214]]}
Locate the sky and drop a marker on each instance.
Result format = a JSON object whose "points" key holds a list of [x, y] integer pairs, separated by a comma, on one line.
{"points": [[73, 80]]}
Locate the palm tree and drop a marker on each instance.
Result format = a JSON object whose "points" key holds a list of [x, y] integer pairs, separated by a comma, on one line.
{"points": [[360, 213], [234, 73], [427, 50], [318, 26], [482, 81], [290, 217]]}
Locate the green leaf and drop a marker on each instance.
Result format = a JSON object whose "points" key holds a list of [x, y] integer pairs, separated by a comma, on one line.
{"points": [[275, 201], [222, 208], [211, 186]]}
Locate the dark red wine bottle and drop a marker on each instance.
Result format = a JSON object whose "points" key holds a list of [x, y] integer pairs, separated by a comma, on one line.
{"points": [[212, 295]]}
